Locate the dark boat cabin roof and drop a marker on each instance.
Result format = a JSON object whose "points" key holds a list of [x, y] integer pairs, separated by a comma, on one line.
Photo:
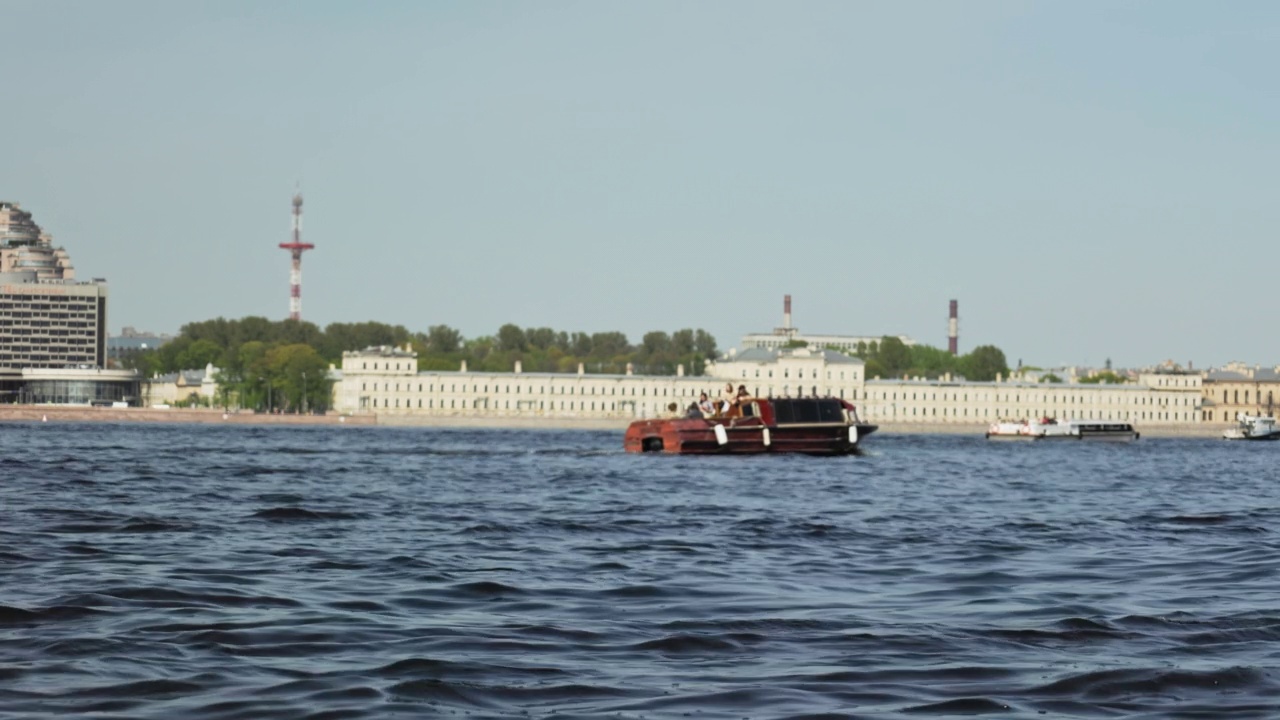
{"points": [[791, 411]]}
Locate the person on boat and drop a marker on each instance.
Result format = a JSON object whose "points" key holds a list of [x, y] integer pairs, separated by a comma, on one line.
{"points": [[727, 399], [705, 406]]}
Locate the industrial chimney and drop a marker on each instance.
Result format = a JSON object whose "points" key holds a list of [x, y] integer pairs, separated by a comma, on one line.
{"points": [[953, 329]]}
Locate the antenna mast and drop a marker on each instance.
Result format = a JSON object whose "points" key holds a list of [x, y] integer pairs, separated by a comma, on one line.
{"points": [[296, 248]]}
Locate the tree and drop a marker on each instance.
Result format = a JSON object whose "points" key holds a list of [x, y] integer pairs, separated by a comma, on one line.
{"points": [[1050, 378], [705, 344], [542, 338], [1105, 377], [609, 345], [930, 361], [875, 369], [301, 377], [511, 338], [655, 343], [683, 342], [894, 355], [984, 363], [342, 337], [443, 339], [199, 354]]}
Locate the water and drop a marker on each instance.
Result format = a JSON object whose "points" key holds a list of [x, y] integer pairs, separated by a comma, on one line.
{"points": [[233, 572]]}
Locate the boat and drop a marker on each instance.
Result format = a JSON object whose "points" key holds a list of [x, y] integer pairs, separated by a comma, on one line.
{"points": [[812, 426], [1253, 427], [1054, 429], [1011, 430]]}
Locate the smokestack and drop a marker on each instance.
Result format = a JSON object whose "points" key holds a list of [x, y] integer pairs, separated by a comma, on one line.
{"points": [[786, 312], [953, 329]]}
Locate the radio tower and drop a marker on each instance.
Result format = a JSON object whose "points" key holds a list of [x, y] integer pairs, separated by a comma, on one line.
{"points": [[296, 249]]}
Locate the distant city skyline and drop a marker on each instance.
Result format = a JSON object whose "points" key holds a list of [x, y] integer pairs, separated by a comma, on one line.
{"points": [[1090, 180]]}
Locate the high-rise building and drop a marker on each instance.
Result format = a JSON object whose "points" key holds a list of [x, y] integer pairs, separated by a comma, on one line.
{"points": [[47, 318], [50, 323]]}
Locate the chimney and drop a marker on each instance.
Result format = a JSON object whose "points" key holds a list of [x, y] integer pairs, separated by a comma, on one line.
{"points": [[786, 312], [953, 329], [519, 367], [630, 369], [464, 366], [582, 368], [680, 370]]}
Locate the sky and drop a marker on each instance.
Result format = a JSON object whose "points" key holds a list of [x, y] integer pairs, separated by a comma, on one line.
{"points": [[1090, 180]]}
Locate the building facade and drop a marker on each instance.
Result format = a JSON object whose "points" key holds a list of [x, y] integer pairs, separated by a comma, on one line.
{"points": [[385, 381], [1239, 389], [1156, 399], [50, 321]]}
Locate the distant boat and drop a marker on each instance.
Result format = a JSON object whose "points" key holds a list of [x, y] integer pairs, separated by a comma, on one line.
{"points": [[1053, 429], [1253, 427], [812, 426]]}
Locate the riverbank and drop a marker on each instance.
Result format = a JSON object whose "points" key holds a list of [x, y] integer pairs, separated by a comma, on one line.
{"points": [[80, 413], [60, 413]]}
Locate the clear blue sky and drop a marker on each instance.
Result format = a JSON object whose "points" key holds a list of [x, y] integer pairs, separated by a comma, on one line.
{"points": [[1088, 179]]}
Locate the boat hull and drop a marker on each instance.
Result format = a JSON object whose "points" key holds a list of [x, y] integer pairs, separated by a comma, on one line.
{"points": [[1255, 438], [1093, 431], [1254, 427], [699, 436]]}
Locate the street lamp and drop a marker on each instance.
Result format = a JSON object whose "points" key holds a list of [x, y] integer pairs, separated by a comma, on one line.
{"points": [[304, 393], [262, 379]]}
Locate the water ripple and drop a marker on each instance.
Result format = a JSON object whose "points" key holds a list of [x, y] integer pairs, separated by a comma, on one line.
{"points": [[249, 573]]}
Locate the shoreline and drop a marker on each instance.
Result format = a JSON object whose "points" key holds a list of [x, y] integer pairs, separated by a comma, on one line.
{"points": [[60, 413]]}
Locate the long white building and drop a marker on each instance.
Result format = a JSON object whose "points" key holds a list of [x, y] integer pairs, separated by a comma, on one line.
{"points": [[386, 381]]}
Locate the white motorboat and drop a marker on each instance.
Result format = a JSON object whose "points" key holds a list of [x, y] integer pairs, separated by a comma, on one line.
{"points": [[1053, 429], [1253, 427], [1010, 430]]}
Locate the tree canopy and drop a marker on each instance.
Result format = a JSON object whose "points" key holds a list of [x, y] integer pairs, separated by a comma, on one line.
{"points": [[1106, 377], [275, 364], [890, 357]]}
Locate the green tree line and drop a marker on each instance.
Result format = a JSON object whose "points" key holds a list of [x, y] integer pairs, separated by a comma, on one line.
{"points": [[890, 357], [283, 365]]}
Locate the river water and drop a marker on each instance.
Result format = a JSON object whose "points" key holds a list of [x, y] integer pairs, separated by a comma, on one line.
{"points": [[237, 572]]}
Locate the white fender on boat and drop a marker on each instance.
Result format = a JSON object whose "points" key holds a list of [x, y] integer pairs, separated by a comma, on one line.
{"points": [[767, 439], [44, 418], [722, 435], [853, 434]]}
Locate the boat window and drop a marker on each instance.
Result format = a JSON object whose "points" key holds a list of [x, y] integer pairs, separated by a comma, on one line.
{"points": [[830, 411], [806, 411], [783, 412]]}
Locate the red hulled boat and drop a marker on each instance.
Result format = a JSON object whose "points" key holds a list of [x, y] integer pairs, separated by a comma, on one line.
{"points": [[814, 426]]}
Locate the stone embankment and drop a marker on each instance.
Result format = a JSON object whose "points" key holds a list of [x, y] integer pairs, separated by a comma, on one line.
{"points": [[80, 413], [59, 413]]}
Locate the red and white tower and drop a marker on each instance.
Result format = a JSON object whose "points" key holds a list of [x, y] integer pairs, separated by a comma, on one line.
{"points": [[296, 248]]}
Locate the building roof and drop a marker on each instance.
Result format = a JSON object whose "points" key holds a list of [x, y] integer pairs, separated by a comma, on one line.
{"points": [[1259, 375], [382, 351], [772, 355]]}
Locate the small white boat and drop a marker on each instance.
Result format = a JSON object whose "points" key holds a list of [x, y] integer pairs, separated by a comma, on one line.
{"points": [[1011, 430], [1052, 429], [1253, 427]]}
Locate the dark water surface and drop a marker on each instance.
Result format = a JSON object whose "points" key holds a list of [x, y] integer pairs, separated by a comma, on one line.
{"points": [[232, 572]]}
